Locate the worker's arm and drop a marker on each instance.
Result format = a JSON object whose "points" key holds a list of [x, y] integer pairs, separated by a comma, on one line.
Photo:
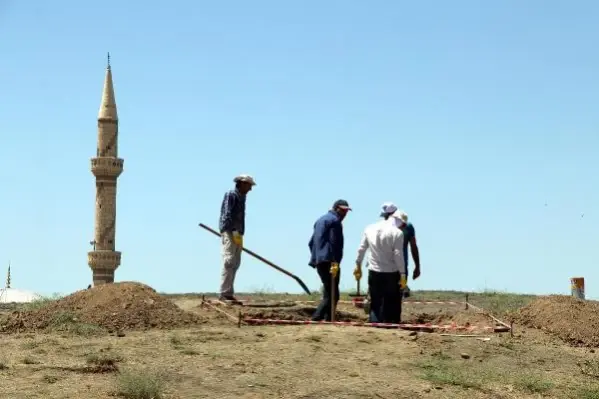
{"points": [[414, 251], [318, 235], [398, 253], [336, 241], [226, 211], [311, 242], [362, 249]]}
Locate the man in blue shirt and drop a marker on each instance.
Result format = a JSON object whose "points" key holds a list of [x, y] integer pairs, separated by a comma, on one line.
{"points": [[232, 228], [326, 252]]}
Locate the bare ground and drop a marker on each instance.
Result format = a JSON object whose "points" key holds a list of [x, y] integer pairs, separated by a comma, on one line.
{"points": [[216, 359]]}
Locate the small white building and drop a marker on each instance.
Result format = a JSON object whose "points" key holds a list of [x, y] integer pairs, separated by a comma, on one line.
{"points": [[13, 295]]}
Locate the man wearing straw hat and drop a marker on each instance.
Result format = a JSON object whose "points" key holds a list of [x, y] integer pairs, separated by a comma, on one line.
{"points": [[232, 228], [386, 267], [326, 252]]}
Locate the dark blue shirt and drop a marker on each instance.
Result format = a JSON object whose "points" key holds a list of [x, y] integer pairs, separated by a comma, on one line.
{"points": [[232, 212], [409, 233], [326, 243]]}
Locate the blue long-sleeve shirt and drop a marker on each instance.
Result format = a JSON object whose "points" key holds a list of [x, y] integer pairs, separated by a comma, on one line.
{"points": [[232, 212], [326, 243]]}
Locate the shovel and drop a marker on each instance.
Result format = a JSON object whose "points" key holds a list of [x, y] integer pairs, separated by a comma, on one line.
{"points": [[358, 298], [357, 294], [260, 258]]}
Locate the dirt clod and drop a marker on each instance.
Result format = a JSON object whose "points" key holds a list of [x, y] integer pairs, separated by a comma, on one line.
{"points": [[113, 307], [573, 320]]}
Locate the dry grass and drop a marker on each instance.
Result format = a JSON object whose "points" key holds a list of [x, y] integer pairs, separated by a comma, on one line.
{"points": [[140, 385], [219, 360]]}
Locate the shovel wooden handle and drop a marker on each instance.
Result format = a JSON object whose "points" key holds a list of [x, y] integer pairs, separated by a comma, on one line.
{"points": [[260, 258]]}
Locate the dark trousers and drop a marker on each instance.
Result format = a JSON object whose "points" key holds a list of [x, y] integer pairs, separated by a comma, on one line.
{"points": [[323, 311], [385, 297]]}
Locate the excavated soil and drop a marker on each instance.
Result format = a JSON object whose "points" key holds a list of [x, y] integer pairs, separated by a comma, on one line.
{"points": [[114, 307], [295, 313], [346, 312], [573, 320], [442, 317]]}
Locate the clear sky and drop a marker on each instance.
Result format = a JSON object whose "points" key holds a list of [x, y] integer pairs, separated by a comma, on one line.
{"points": [[478, 118]]}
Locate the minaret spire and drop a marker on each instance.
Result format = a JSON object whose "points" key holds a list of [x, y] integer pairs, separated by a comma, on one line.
{"points": [[108, 103], [106, 167], [8, 276]]}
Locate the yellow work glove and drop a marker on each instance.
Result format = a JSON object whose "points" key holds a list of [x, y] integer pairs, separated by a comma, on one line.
{"points": [[334, 269], [238, 238], [403, 281], [358, 272]]}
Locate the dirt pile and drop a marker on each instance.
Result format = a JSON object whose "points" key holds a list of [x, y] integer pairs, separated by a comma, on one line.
{"points": [[573, 320], [114, 307]]}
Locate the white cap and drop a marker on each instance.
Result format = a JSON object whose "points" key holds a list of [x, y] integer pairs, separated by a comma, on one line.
{"points": [[245, 179], [388, 208], [400, 217]]}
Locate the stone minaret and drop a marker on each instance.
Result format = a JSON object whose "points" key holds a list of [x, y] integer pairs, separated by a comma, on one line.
{"points": [[106, 167], [8, 277]]}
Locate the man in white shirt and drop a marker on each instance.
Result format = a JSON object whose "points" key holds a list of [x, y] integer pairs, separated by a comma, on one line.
{"points": [[409, 232], [386, 267]]}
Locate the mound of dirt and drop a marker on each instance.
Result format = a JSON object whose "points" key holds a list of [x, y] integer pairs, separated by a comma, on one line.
{"points": [[573, 320], [114, 307]]}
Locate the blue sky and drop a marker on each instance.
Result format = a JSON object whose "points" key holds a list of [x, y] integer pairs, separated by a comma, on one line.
{"points": [[478, 118]]}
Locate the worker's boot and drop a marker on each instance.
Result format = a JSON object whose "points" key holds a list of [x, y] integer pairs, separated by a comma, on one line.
{"points": [[367, 305], [230, 299]]}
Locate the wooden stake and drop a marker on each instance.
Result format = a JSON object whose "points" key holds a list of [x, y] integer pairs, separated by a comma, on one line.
{"points": [[333, 302]]}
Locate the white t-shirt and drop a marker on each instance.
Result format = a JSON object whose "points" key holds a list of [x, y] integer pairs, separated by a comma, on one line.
{"points": [[385, 242]]}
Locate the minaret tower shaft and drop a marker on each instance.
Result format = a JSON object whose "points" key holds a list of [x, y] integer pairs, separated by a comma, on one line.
{"points": [[8, 277], [106, 167]]}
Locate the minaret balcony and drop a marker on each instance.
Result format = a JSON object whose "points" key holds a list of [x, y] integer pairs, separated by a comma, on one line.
{"points": [[107, 166], [104, 259]]}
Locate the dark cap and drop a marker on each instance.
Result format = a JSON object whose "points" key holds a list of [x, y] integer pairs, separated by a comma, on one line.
{"points": [[342, 204]]}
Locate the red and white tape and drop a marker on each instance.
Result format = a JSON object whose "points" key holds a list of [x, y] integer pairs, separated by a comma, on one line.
{"points": [[248, 302], [433, 302], [403, 302], [452, 327]]}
